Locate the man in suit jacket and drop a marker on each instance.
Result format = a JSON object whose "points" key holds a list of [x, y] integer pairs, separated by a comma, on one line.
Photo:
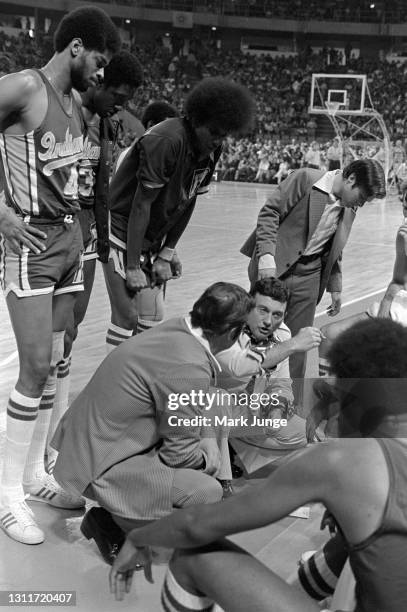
{"points": [[125, 441], [301, 231]]}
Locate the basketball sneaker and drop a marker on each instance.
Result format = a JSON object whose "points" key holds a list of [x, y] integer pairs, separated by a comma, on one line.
{"points": [[17, 521], [46, 489]]}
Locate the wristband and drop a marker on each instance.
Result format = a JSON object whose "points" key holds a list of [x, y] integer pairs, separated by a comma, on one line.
{"points": [[166, 254]]}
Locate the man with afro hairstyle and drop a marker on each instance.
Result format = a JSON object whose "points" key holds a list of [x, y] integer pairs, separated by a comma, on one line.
{"points": [[153, 195], [100, 105], [42, 142]]}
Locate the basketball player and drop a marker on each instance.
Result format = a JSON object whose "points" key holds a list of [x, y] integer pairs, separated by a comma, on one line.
{"points": [[121, 78], [41, 144], [153, 195], [393, 305], [208, 568], [154, 113]]}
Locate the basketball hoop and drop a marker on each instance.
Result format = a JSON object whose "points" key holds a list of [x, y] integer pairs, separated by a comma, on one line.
{"points": [[332, 108]]}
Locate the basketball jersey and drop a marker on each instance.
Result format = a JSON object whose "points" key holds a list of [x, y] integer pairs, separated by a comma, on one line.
{"points": [[164, 158], [90, 161], [40, 167]]}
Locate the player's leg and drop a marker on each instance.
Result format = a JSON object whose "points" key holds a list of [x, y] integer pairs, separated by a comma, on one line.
{"points": [[150, 307], [122, 303], [74, 319], [37, 483], [228, 575], [31, 320], [331, 332]]}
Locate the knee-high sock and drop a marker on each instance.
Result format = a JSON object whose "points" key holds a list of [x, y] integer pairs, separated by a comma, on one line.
{"points": [[175, 598], [115, 336], [323, 363], [22, 414], [145, 324], [60, 407], [320, 573], [34, 467]]}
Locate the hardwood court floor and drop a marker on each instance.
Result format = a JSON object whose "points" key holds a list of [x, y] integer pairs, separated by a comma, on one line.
{"points": [[209, 250]]}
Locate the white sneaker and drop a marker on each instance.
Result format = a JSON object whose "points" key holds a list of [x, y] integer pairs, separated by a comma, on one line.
{"points": [[17, 521], [46, 489]]}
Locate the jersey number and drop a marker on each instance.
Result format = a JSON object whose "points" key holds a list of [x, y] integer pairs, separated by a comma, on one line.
{"points": [[71, 186]]}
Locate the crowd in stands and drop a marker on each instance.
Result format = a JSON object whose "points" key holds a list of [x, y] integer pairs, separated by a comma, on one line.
{"points": [[284, 129], [369, 11]]}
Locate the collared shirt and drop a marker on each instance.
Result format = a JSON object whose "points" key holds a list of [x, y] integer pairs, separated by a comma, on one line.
{"points": [[243, 361], [327, 224], [329, 221]]}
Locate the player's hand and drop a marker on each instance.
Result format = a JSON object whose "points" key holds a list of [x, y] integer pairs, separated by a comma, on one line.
{"points": [[129, 560], [136, 280], [160, 272], [335, 306], [384, 309], [307, 339], [176, 266], [266, 273], [19, 234], [210, 449]]}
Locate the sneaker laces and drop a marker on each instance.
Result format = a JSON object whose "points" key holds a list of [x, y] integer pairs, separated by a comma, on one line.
{"points": [[23, 513]]}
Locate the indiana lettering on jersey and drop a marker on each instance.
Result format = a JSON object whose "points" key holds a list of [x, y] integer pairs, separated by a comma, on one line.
{"points": [[61, 153]]}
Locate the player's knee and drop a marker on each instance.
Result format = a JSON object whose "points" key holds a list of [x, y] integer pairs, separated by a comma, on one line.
{"points": [[211, 490], [34, 370], [330, 332]]}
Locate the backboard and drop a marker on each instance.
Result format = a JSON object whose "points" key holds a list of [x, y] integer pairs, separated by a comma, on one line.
{"points": [[347, 90]]}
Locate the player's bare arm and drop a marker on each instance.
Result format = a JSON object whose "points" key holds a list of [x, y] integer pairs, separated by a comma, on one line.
{"points": [[399, 280], [163, 269], [22, 107], [322, 473], [138, 222], [306, 339]]}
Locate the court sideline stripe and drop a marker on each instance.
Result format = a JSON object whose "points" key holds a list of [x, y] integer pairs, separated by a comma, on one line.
{"points": [[14, 354], [355, 301]]}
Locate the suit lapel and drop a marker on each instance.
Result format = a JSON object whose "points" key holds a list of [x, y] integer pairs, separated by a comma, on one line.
{"points": [[317, 202]]}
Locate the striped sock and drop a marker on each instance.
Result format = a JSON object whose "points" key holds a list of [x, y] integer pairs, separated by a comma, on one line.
{"points": [[320, 573], [324, 367], [145, 324], [34, 467], [174, 598], [22, 413], [60, 407], [115, 336]]}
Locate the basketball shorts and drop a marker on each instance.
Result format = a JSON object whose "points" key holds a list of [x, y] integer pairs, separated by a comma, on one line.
{"points": [[150, 301], [57, 270], [87, 222]]}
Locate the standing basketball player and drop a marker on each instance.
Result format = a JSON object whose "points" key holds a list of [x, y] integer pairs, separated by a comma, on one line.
{"points": [[100, 104], [153, 195], [41, 144]]}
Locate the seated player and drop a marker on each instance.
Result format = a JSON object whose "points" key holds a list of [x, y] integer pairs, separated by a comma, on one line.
{"points": [[117, 444], [153, 195], [393, 305], [370, 363], [258, 363], [100, 104]]}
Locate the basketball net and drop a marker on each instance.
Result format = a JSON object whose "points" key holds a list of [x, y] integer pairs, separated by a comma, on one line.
{"points": [[332, 108]]}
